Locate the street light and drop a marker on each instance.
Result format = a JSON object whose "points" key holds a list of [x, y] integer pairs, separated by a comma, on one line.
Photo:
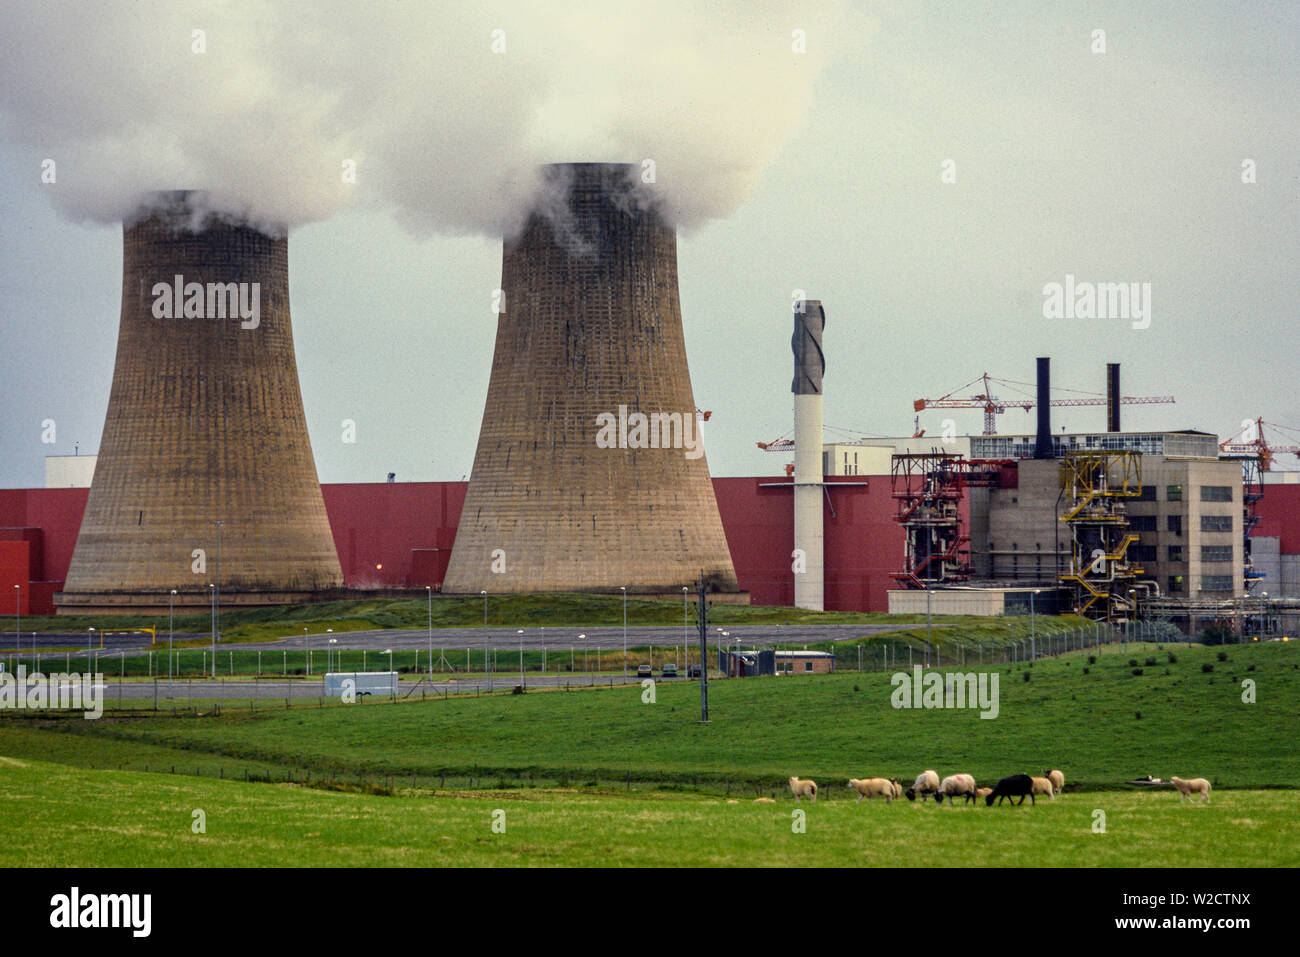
{"points": [[171, 631], [484, 594], [389, 652], [583, 639], [213, 590], [331, 663], [306, 647], [1262, 626], [90, 641], [623, 589], [429, 591], [18, 597], [685, 639]]}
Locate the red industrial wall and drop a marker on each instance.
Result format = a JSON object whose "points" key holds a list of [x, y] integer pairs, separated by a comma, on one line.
{"points": [[1279, 516], [400, 535], [863, 545], [394, 534]]}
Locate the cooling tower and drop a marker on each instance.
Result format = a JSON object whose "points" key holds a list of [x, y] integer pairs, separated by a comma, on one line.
{"points": [[205, 425], [589, 473]]}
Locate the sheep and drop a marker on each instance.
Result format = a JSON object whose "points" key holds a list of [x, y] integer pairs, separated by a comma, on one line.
{"points": [[807, 788], [764, 801], [1195, 786], [873, 787], [1042, 786], [898, 788], [1021, 785], [954, 784], [926, 783], [983, 792], [1057, 779]]}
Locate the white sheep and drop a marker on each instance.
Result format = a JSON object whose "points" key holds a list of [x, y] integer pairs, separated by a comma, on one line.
{"points": [[1057, 778], [898, 788], [873, 787], [955, 784], [927, 782], [983, 792], [1195, 786], [1043, 786], [804, 788]]}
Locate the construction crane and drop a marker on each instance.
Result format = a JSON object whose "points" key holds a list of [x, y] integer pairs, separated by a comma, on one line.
{"points": [[993, 406], [1249, 447], [1249, 443]]}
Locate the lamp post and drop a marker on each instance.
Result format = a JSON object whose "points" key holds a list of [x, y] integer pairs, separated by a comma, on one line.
{"points": [[389, 652], [623, 589], [332, 664], [1262, 626], [484, 594], [521, 659], [212, 589], [216, 598], [306, 647], [330, 631], [18, 598], [171, 630], [583, 639], [90, 641], [685, 625], [1033, 634], [429, 590], [928, 593]]}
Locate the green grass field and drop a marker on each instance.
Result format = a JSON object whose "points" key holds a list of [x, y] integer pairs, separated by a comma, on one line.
{"points": [[58, 816], [599, 776]]}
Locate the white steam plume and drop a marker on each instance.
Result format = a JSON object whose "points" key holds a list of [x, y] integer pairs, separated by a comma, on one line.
{"points": [[442, 128]]}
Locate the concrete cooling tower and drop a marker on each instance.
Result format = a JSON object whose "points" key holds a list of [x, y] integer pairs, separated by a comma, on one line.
{"points": [[590, 474], [205, 425]]}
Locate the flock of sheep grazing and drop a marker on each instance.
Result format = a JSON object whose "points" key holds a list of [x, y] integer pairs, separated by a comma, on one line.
{"points": [[954, 786]]}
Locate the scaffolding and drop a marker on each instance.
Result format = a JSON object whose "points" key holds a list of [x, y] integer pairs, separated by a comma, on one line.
{"points": [[1095, 486], [929, 488]]}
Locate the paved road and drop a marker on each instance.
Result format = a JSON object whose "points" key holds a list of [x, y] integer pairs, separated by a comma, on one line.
{"points": [[270, 689], [568, 637], [454, 640]]}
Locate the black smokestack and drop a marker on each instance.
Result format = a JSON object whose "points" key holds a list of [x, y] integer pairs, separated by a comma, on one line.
{"points": [[1112, 397], [1043, 447]]}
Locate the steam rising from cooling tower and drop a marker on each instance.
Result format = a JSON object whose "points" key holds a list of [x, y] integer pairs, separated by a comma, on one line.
{"points": [[267, 108], [205, 424], [590, 472]]}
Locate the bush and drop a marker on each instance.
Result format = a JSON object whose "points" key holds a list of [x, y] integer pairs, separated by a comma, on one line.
{"points": [[1223, 656], [1092, 659], [1085, 671], [1026, 675], [1250, 667], [1132, 662], [1137, 715], [1206, 668], [1150, 662], [1173, 658], [1137, 671], [1217, 635]]}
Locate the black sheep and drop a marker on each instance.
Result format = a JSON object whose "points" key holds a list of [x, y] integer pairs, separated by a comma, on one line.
{"points": [[1009, 787]]}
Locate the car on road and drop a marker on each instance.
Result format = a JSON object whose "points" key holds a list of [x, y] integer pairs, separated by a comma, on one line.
{"points": [[644, 671], [670, 670], [692, 671]]}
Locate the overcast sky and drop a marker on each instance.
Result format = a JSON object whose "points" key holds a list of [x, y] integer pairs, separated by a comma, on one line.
{"points": [[822, 171]]}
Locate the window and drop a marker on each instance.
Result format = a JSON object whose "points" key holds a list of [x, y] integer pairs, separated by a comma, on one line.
{"points": [[1216, 553], [1176, 524], [1173, 493], [807, 666], [1216, 493], [1216, 583], [1148, 494], [1142, 553], [1216, 523], [1175, 583], [1142, 523], [1175, 553]]}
